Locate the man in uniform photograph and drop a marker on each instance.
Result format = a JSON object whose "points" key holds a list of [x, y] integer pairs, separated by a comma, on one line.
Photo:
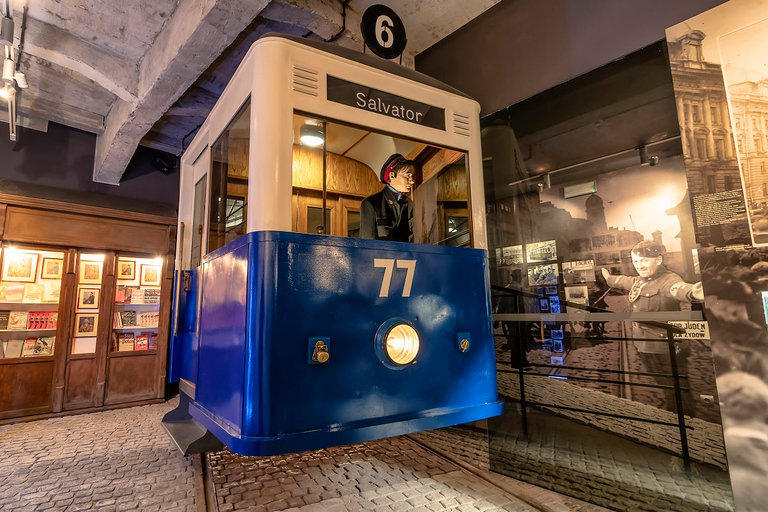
{"points": [[656, 288]]}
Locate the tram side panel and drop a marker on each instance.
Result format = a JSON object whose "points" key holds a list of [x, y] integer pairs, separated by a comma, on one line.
{"points": [[301, 288]]}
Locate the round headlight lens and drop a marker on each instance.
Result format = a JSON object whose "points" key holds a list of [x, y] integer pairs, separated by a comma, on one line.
{"points": [[401, 344]]}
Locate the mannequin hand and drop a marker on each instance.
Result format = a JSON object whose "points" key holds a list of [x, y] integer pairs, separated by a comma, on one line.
{"points": [[605, 273]]}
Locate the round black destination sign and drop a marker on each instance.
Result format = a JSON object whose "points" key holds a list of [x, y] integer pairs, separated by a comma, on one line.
{"points": [[383, 31]]}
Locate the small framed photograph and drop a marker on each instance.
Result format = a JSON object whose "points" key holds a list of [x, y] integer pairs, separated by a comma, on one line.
{"points": [[90, 272], [86, 324], [52, 268], [150, 275], [20, 266], [88, 298], [126, 270]]}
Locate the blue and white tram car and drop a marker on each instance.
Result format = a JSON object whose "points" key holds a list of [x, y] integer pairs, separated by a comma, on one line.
{"points": [[290, 332]]}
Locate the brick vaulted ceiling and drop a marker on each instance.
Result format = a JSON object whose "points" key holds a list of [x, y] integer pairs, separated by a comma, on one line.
{"points": [[148, 72]]}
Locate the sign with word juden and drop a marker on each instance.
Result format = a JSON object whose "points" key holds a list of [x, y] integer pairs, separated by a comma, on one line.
{"points": [[693, 330], [384, 103]]}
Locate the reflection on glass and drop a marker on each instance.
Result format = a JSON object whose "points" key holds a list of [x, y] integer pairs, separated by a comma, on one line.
{"points": [[229, 181], [315, 220], [353, 224]]}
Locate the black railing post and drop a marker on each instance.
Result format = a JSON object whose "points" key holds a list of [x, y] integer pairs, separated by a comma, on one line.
{"points": [[678, 400]]}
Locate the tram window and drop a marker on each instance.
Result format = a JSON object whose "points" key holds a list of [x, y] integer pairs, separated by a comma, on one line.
{"points": [[229, 181], [353, 159], [353, 224], [315, 220]]}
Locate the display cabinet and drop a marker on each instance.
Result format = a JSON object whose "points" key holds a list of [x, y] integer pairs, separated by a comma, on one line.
{"points": [[30, 291], [85, 295]]}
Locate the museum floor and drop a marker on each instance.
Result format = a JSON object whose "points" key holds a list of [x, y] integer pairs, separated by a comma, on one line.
{"points": [[122, 460]]}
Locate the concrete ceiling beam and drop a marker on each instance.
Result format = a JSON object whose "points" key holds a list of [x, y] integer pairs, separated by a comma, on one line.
{"points": [[196, 34]]}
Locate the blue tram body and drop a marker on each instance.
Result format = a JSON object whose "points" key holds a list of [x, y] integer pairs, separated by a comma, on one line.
{"points": [[267, 295], [287, 340]]}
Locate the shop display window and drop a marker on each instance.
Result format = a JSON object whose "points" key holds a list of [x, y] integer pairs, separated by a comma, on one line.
{"points": [[137, 304], [30, 287], [90, 270]]}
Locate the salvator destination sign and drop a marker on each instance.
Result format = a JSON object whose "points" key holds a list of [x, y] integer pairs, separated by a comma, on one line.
{"points": [[384, 103]]}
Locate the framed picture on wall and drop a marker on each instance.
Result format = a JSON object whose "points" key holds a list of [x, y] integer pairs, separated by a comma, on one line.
{"points": [[126, 270], [86, 324], [90, 272], [150, 275], [52, 268], [20, 266], [88, 298]]}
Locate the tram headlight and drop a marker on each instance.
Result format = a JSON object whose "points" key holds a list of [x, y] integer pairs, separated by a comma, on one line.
{"points": [[397, 343], [401, 344]]}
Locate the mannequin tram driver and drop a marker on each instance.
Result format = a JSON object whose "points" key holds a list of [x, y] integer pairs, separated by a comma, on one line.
{"points": [[388, 214]]}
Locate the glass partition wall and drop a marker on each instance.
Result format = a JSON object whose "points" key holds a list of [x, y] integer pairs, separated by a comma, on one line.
{"points": [[603, 349]]}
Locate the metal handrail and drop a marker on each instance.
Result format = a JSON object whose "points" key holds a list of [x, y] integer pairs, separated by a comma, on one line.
{"points": [[671, 330]]}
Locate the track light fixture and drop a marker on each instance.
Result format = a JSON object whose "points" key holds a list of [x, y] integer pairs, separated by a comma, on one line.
{"points": [[6, 30], [645, 159]]}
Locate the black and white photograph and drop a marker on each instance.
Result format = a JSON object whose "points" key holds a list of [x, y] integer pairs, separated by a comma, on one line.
{"points": [[541, 275], [512, 255], [538, 252]]}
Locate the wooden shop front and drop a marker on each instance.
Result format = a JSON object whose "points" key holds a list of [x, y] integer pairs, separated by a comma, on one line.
{"points": [[85, 299]]}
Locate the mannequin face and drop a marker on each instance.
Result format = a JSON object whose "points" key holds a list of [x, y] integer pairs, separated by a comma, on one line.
{"points": [[403, 180], [646, 267]]}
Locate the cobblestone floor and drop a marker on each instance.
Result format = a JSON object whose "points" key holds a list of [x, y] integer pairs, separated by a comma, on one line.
{"points": [[568, 457], [385, 475], [113, 460]]}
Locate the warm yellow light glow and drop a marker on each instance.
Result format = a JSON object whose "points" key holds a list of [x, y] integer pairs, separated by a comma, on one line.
{"points": [[92, 257], [402, 344]]}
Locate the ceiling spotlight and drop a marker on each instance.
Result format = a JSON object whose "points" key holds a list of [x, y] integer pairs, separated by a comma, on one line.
{"points": [[21, 80], [645, 159], [8, 70], [311, 135], [6, 92], [6, 31]]}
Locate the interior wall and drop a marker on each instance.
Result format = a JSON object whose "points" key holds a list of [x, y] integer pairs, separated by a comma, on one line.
{"points": [[63, 158], [519, 48]]}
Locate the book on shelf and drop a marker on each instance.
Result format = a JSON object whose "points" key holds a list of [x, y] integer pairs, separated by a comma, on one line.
{"points": [[4, 319], [151, 295], [125, 341], [128, 318], [44, 345], [28, 348], [13, 348], [152, 342], [117, 322], [17, 320], [33, 292], [51, 291], [120, 294], [53, 320], [148, 318], [137, 295], [14, 292], [142, 341]]}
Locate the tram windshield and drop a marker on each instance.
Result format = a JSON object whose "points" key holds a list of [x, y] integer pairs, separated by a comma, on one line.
{"points": [[327, 198]]}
